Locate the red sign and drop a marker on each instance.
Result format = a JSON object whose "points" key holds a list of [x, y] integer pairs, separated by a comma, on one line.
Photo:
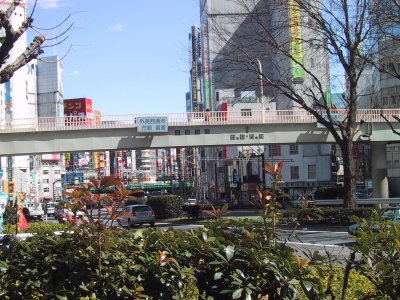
{"points": [[78, 107]]}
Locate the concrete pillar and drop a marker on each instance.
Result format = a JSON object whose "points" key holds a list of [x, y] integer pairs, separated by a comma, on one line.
{"points": [[379, 171]]}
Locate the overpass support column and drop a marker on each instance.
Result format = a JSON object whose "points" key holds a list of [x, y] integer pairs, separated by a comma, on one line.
{"points": [[379, 171]]}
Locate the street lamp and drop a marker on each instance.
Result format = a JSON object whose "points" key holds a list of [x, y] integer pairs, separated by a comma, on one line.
{"points": [[260, 78]]}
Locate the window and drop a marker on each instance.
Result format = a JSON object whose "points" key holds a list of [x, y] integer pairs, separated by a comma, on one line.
{"points": [[57, 172], [245, 112], [396, 149], [312, 62], [197, 131], [389, 164], [393, 101], [45, 181], [396, 163], [45, 172], [294, 149], [385, 101], [312, 172], [275, 150], [177, 132], [294, 172], [187, 131], [46, 190], [207, 131]]}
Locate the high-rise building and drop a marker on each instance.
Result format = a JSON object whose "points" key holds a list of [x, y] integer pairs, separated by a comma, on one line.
{"points": [[232, 49], [17, 101]]}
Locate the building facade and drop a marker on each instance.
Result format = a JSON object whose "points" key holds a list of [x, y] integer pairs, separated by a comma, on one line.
{"points": [[234, 58]]}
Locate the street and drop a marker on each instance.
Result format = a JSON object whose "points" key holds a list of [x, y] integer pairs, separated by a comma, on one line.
{"points": [[303, 238]]}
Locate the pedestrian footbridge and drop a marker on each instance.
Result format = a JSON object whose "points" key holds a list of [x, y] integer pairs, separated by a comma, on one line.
{"points": [[167, 130]]}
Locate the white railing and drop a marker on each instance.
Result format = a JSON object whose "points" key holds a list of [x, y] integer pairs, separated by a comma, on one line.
{"points": [[339, 202], [185, 119]]}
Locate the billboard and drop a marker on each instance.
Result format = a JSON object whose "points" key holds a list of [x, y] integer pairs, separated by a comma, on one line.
{"points": [[51, 157], [296, 40], [78, 107]]}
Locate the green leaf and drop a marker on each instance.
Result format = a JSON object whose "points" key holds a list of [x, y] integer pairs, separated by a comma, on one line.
{"points": [[218, 275], [229, 251], [237, 294], [152, 239], [84, 288], [36, 283], [307, 285]]}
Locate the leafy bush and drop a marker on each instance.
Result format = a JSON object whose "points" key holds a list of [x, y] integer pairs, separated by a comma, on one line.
{"points": [[40, 227], [10, 215], [168, 206], [327, 215], [193, 211], [67, 266], [378, 242], [358, 288], [329, 192]]}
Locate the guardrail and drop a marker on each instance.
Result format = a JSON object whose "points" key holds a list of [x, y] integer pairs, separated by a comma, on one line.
{"points": [[185, 119], [338, 202]]}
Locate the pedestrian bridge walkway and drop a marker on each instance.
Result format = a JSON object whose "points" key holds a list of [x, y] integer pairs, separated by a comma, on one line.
{"points": [[165, 130]]}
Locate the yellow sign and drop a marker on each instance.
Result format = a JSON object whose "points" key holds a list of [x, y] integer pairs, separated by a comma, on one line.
{"points": [[296, 40]]}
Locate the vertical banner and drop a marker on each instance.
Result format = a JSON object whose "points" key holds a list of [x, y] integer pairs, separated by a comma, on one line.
{"points": [[206, 69], [328, 96], [296, 40], [195, 58], [195, 101]]}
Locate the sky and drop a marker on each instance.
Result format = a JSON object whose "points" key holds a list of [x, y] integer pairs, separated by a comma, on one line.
{"points": [[128, 57]]}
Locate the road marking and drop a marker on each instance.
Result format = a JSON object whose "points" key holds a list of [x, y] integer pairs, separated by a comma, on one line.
{"points": [[313, 231], [317, 245]]}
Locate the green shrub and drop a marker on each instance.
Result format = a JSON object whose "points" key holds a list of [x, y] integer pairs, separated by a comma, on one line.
{"points": [[39, 227], [378, 242], [329, 192], [10, 215], [67, 267], [168, 206], [358, 287], [327, 215], [193, 211]]}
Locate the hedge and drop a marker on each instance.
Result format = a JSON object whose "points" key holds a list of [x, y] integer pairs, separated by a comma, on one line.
{"points": [[168, 206], [326, 215]]}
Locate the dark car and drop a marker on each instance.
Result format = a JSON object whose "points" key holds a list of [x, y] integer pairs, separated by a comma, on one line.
{"points": [[137, 214]]}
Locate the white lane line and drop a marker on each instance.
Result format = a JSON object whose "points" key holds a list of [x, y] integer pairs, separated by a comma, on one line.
{"points": [[312, 231], [316, 245]]}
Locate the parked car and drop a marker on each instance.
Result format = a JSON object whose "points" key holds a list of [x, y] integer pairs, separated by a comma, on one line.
{"points": [[63, 214], [389, 213], [51, 206], [36, 211], [190, 201], [137, 214]]}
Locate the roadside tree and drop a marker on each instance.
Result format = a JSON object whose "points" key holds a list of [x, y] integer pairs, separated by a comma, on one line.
{"points": [[10, 33], [293, 52]]}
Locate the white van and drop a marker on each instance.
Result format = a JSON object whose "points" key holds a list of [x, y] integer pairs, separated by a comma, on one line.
{"points": [[51, 206]]}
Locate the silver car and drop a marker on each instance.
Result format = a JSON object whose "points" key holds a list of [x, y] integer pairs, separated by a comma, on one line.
{"points": [[137, 214]]}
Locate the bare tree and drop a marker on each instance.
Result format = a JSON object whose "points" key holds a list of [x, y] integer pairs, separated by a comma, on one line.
{"points": [[295, 43], [9, 35]]}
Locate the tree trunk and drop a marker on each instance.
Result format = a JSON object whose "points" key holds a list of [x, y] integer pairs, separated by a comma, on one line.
{"points": [[349, 173]]}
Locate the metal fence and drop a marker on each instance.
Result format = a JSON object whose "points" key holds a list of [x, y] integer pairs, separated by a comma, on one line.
{"points": [[185, 119]]}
